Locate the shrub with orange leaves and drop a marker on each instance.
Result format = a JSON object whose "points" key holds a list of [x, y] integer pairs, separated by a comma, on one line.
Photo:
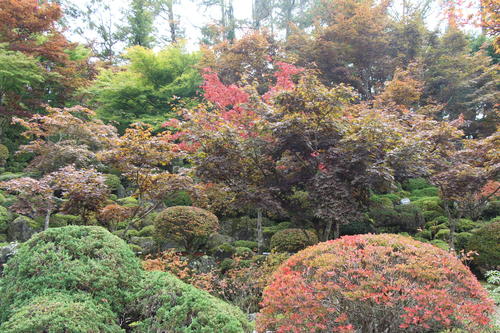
{"points": [[374, 283]]}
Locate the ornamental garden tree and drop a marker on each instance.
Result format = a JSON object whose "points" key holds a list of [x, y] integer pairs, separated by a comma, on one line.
{"points": [[373, 283]]}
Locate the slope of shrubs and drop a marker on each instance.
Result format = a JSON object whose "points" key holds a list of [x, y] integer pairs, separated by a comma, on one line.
{"points": [[84, 279], [373, 283]]}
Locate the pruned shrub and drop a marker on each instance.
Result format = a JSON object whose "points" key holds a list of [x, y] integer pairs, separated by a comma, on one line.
{"points": [[486, 242], [374, 283], [245, 243], [60, 313], [415, 184], [188, 225], [5, 217], [166, 304], [293, 240], [70, 259]]}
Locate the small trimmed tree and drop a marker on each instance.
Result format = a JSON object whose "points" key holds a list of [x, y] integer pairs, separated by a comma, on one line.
{"points": [[293, 240], [188, 225], [374, 283]]}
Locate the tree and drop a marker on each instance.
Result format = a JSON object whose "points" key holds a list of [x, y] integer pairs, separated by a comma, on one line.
{"points": [[466, 84], [188, 225], [34, 197], [306, 140], [146, 89], [349, 45], [374, 283], [166, 10], [226, 22], [140, 17], [29, 27], [63, 137], [147, 161]]}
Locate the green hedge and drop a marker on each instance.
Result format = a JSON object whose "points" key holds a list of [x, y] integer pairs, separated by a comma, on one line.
{"points": [[169, 305], [293, 240]]}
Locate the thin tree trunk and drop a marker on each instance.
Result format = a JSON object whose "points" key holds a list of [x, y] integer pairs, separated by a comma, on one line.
{"points": [[328, 230], [453, 223], [260, 235], [171, 21], [47, 219]]}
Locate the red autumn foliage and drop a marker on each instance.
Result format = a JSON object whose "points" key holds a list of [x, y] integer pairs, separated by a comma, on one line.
{"points": [[373, 283]]}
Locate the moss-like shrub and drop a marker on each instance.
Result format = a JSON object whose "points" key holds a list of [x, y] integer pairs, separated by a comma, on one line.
{"points": [[128, 202], [374, 283], [147, 231], [293, 240], [271, 230], [443, 234], [424, 234], [2, 199], [464, 225], [113, 182], [425, 192], [486, 242], [70, 259], [435, 229], [187, 225], [181, 198], [166, 304], [429, 204], [61, 313], [415, 184], [462, 239], [4, 154], [10, 175], [380, 201], [245, 243], [362, 226], [440, 244], [222, 251], [491, 210], [243, 252], [5, 217], [62, 220]]}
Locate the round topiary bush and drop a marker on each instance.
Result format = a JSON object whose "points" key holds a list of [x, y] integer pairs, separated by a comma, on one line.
{"points": [[293, 240], [187, 225], [70, 259], [373, 283], [486, 242], [167, 304], [60, 313]]}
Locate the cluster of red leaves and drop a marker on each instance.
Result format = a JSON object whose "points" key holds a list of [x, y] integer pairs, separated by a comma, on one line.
{"points": [[386, 283], [284, 80]]}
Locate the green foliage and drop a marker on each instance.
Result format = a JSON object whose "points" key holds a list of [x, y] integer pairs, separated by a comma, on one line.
{"points": [[429, 204], [62, 220], [486, 242], [70, 259], [271, 230], [147, 89], [443, 234], [415, 184], [225, 250], [462, 239], [5, 218], [293, 240], [186, 224], [128, 202], [425, 234], [465, 225], [493, 279], [11, 175], [492, 209], [243, 252], [361, 226], [4, 154], [181, 198], [441, 244], [60, 313], [245, 243], [425, 192], [112, 182], [168, 305], [147, 231], [381, 201]]}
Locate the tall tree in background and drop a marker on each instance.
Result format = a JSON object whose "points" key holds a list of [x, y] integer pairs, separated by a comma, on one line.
{"points": [[140, 16], [166, 10], [226, 24], [30, 27]]}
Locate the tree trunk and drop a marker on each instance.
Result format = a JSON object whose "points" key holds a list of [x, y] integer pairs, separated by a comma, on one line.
{"points": [[328, 230], [453, 223], [260, 235], [47, 219], [171, 21]]}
